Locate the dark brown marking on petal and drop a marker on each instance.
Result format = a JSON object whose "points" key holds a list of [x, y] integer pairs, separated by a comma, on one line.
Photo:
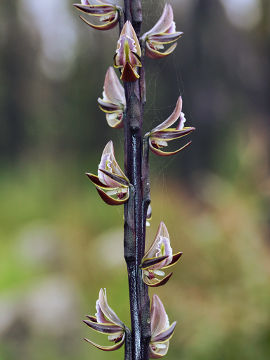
{"points": [[171, 134], [120, 180], [161, 282], [175, 258], [129, 74], [104, 328], [166, 334], [150, 262]]}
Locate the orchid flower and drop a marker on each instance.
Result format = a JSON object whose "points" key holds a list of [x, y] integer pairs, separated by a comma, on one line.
{"points": [[161, 134], [111, 183], [161, 34], [108, 14], [107, 322], [161, 330], [128, 53], [158, 258], [114, 101]]}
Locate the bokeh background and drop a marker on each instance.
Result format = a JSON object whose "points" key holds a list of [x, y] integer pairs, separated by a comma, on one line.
{"points": [[59, 243]]}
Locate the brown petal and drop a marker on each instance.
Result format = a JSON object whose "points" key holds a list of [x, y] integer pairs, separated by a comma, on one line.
{"points": [[95, 180], [168, 153], [103, 328], [159, 282], [165, 38], [107, 106], [155, 54], [109, 199], [107, 26], [115, 123], [129, 74], [147, 263], [171, 134], [107, 348], [175, 258], [92, 318], [165, 335], [95, 9], [154, 355]]}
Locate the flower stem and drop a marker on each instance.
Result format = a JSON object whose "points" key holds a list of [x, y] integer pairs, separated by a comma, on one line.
{"points": [[135, 216]]}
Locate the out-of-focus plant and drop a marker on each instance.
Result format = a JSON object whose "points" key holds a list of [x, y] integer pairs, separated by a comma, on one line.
{"points": [[123, 104]]}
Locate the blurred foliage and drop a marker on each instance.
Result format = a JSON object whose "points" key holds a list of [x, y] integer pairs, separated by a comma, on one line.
{"points": [[59, 243]]}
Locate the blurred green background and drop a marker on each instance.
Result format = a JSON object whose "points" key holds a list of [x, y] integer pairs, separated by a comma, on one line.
{"points": [[59, 243]]}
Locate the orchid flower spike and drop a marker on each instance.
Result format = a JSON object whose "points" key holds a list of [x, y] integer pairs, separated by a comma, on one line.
{"points": [[158, 258], [108, 14], [161, 330], [128, 53], [114, 101], [111, 183], [161, 34], [107, 322], [161, 134]]}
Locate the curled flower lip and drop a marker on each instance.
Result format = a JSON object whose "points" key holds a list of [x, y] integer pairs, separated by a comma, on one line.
{"points": [[161, 330], [128, 53], [108, 14], [158, 258], [162, 134], [113, 102], [162, 33], [111, 183], [106, 322]]}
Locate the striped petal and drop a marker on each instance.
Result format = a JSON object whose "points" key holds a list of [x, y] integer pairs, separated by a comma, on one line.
{"points": [[164, 22], [109, 200], [165, 335], [128, 53], [172, 118], [157, 352], [107, 310], [159, 317], [175, 258], [113, 89], [103, 328], [148, 263], [107, 26], [108, 348], [159, 152], [155, 282], [156, 54], [122, 181], [109, 163], [171, 133], [161, 330], [115, 120], [165, 38], [129, 74], [160, 246], [99, 10]]}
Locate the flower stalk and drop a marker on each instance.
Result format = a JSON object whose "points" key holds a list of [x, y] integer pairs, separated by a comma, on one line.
{"points": [[123, 105]]}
